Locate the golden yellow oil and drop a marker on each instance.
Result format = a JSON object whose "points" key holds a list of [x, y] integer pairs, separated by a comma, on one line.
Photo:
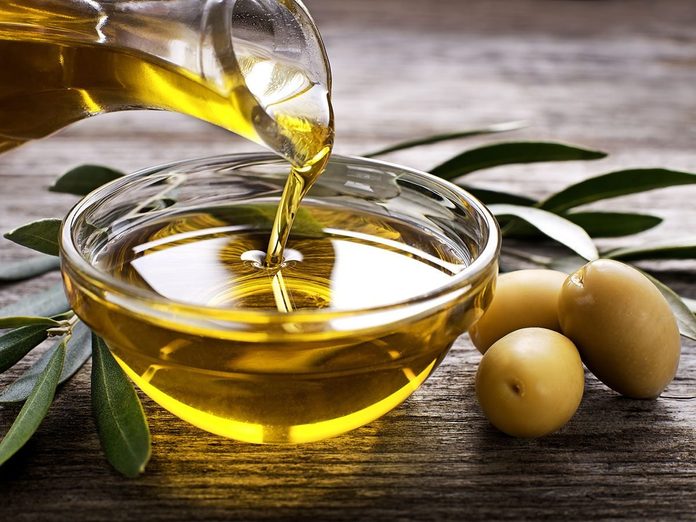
{"points": [[53, 74], [45, 86], [257, 386]]}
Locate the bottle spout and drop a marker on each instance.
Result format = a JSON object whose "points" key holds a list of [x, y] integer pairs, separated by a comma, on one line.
{"points": [[273, 50], [265, 58]]}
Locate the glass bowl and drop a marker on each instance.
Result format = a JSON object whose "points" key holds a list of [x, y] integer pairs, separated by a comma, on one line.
{"points": [[150, 261]]}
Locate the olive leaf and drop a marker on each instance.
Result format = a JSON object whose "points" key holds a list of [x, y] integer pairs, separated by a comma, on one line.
{"points": [[78, 351], [84, 179], [555, 227], [41, 235], [121, 422], [613, 184], [491, 197], [47, 303], [598, 224], [685, 250], [685, 317], [437, 138], [19, 320], [512, 153], [613, 224], [690, 303], [27, 268], [17, 343], [34, 410]]}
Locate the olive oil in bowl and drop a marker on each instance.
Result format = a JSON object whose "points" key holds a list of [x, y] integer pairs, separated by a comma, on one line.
{"points": [[384, 268]]}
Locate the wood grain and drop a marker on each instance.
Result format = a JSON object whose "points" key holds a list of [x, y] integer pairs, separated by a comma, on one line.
{"points": [[614, 75]]}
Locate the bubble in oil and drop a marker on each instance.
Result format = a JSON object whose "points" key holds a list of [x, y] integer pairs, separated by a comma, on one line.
{"points": [[257, 258]]}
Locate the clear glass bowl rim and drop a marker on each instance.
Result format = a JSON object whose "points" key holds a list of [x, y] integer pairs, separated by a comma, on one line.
{"points": [[471, 276]]}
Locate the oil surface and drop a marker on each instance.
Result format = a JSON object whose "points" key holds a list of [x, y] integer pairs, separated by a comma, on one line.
{"points": [[258, 387], [217, 260]]}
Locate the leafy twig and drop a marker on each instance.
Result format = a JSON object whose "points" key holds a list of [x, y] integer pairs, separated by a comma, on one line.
{"points": [[17, 343], [84, 179], [121, 422], [41, 235], [34, 410], [555, 227], [512, 153], [78, 352], [613, 184], [429, 140], [120, 419]]}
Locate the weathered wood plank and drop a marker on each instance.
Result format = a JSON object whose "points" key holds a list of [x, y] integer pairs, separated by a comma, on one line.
{"points": [[612, 75]]}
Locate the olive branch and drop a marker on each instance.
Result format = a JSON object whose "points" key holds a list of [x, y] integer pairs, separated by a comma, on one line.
{"points": [[45, 317]]}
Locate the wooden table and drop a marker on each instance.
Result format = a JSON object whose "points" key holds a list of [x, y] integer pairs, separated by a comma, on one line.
{"points": [[614, 75]]}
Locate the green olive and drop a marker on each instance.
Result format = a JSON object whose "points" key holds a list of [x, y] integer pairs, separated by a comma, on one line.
{"points": [[522, 299], [530, 382], [623, 327]]}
